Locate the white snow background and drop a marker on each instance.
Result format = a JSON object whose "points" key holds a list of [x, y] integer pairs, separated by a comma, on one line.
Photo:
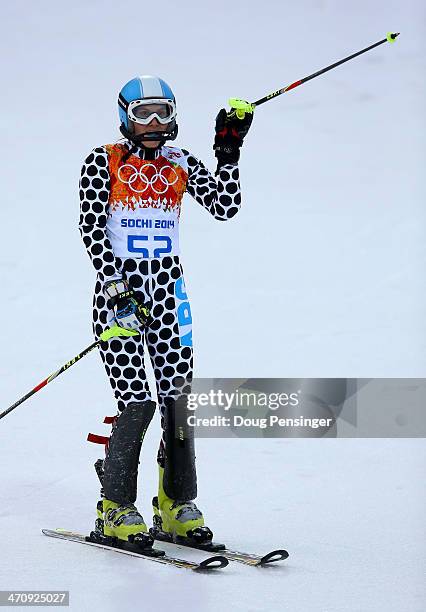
{"points": [[320, 274]]}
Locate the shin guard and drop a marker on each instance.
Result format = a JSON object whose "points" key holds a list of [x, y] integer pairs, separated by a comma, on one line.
{"points": [[121, 462], [180, 479]]}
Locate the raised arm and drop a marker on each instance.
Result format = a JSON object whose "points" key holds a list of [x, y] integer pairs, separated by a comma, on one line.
{"points": [[221, 194]]}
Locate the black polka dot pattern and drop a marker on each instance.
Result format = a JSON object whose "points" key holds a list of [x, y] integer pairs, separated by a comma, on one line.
{"points": [[94, 194], [124, 357], [167, 344], [221, 196]]}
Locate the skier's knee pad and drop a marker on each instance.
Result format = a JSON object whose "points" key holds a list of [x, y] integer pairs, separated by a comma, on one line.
{"points": [[180, 479], [121, 462]]}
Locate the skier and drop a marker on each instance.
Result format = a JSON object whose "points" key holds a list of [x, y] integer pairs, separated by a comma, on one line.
{"points": [[130, 201]]}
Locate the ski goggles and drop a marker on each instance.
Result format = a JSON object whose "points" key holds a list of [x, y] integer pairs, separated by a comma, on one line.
{"points": [[144, 111]]}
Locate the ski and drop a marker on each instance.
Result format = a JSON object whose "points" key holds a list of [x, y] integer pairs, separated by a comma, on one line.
{"points": [[232, 555], [153, 554]]}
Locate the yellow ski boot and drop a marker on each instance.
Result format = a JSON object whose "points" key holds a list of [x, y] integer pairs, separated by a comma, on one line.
{"points": [[178, 521], [121, 526]]}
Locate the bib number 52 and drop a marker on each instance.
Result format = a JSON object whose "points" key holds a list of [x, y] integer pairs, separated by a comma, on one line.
{"points": [[135, 245]]}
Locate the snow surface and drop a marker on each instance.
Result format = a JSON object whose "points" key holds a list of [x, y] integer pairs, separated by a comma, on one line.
{"points": [[321, 274]]}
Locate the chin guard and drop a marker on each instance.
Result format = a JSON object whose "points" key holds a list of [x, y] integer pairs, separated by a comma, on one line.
{"points": [[150, 136]]}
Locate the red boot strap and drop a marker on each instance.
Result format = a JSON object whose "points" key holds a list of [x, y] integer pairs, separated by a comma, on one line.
{"points": [[110, 420], [97, 439]]}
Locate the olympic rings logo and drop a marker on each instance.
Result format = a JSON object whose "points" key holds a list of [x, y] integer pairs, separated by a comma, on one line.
{"points": [[157, 181]]}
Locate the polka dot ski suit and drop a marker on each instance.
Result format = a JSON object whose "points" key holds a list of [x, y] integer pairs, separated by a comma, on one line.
{"points": [[129, 222]]}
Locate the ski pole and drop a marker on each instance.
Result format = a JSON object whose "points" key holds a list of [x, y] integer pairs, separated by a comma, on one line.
{"points": [[112, 332], [241, 106]]}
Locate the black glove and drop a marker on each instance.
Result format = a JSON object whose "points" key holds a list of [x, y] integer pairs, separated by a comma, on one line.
{"points": [[230, 134], [130, 311]]}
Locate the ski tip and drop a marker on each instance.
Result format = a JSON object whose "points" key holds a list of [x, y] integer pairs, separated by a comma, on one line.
{"points": [[391, 36], [216, 562], [273, 556]]}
